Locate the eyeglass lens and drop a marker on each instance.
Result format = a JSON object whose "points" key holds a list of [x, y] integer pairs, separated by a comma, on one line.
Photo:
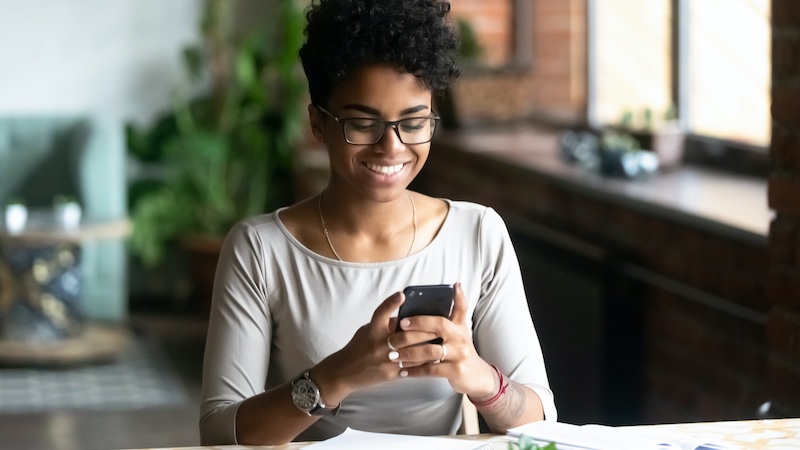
{"points": [[414, 130]]}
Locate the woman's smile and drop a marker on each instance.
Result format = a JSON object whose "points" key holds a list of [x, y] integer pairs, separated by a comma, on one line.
{"points": [[385, 170], [386, 174]]}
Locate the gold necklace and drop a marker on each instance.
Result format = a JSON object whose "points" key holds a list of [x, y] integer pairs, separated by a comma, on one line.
{"points": [[328, 238]]}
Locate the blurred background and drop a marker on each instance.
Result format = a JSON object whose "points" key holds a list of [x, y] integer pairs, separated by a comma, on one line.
{"points": [[643, 154]]}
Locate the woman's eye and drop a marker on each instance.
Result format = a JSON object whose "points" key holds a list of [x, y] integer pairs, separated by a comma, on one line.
{"points": [[413, 125], [362, 125]]}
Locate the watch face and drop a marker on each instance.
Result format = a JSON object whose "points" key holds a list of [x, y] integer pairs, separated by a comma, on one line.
{"points": [[304, 394]]}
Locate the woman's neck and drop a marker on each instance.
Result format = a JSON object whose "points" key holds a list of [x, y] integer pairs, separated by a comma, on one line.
{"points": [[369, 230]]}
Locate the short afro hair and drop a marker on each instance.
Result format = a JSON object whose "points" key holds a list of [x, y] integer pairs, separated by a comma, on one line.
{"points": [[344, 35]]}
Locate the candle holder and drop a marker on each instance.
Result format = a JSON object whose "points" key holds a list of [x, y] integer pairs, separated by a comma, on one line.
{"points": [[66, 212], [16, 216]]}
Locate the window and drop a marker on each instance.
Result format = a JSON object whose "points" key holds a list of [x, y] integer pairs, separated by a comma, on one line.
{"points": [[728, 69], [706, 60], [631, 60]]}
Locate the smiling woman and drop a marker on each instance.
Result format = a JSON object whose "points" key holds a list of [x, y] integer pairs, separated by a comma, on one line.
{"points": [[301, 341], [366, 161]]}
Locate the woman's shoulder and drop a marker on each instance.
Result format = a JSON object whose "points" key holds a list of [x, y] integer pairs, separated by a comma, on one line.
{"points": [[262, 223], [256, 229], [471, 212], [249, 238], [284, 218], [479, 221], [466, 207]]}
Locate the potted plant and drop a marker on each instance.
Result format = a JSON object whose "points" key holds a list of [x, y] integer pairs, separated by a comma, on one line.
{"points": [[664, 136], [469, 52], [223, 155]]}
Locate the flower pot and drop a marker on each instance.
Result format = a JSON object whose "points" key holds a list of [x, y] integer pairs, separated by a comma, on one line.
{"points": [[667, 144]]}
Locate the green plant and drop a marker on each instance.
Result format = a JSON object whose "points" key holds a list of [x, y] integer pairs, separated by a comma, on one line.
{"points": [[469, 48], [469, 53], [526, 443], [64, 199], [226, 154], [619, 141], [16, 201], [646, 119]]}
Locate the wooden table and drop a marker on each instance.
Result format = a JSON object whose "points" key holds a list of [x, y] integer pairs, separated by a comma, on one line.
{"points": [[774, 434], [747, 434]]}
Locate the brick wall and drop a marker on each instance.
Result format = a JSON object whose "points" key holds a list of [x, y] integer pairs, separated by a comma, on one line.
{"points": [[784, 198], [551, 86], [559, 59]]}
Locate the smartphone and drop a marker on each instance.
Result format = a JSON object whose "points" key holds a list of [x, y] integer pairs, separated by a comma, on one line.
{"points": [[428, 300]]}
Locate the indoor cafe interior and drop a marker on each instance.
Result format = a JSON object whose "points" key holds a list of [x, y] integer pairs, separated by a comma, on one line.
{"points": [[645, 157]]}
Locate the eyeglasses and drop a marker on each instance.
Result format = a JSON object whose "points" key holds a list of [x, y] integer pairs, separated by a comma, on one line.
{"points": [[368, 131]]}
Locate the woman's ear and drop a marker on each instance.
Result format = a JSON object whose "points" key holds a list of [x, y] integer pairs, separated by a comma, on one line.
{"points": [[315, 119]]}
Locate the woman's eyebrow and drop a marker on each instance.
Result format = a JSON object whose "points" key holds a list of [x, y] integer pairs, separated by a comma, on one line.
{"points": [[375, 112]]}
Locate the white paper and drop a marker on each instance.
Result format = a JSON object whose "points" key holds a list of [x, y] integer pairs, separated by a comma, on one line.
{"points": [[599, 437], [357, 440]]}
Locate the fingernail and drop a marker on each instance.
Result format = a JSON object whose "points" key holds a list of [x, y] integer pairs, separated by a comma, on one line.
{"points": [[458, 287], [403, 373], [393, 356], [405, 323]]}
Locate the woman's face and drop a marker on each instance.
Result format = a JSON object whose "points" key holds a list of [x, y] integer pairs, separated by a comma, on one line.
{"points": [[380, 171]]}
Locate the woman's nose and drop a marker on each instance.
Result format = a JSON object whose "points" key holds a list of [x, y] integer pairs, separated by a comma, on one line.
{"points": [[390, 141]]}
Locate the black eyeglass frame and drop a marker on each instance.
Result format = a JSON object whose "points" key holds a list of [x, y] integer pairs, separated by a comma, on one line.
{"points": [[386, 124]]}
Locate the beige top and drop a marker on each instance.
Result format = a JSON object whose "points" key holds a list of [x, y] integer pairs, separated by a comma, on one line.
{"points": [[279, 308]]}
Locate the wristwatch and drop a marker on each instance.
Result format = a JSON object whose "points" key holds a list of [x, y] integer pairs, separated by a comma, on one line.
{"points": [[306, 396]]}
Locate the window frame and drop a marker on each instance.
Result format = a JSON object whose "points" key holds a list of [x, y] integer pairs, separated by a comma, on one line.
{"points": [[712, 151]]}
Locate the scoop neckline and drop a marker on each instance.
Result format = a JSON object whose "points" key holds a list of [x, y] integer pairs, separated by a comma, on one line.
{"points": [[308, 252]]}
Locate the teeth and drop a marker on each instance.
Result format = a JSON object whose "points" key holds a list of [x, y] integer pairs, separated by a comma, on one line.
{"points": [[386, 170]]}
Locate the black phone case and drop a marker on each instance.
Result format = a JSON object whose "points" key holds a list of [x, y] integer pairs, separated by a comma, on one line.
{"points": [[427, 300]]}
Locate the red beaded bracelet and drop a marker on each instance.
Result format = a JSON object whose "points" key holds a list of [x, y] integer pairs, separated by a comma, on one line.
{"points": [[500, 392]]}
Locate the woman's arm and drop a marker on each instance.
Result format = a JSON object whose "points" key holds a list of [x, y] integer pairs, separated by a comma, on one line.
{"points": [[235, 408], [502, 335], [512, 404], [272, 417], [503, 403]]}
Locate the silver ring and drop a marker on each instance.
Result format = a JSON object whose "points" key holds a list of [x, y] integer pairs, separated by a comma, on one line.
{"points": [[444, 355], [389, 344]]}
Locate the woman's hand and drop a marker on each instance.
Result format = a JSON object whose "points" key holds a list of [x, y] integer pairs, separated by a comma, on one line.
{"points": [[364, 361], [455, 359]]}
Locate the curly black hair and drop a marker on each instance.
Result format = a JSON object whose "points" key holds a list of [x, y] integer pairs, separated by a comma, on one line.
{"points": [[343, 35]]}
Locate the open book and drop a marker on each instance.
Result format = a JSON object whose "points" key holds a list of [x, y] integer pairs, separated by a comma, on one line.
{"points": [[600, 437], [357, 440]]}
